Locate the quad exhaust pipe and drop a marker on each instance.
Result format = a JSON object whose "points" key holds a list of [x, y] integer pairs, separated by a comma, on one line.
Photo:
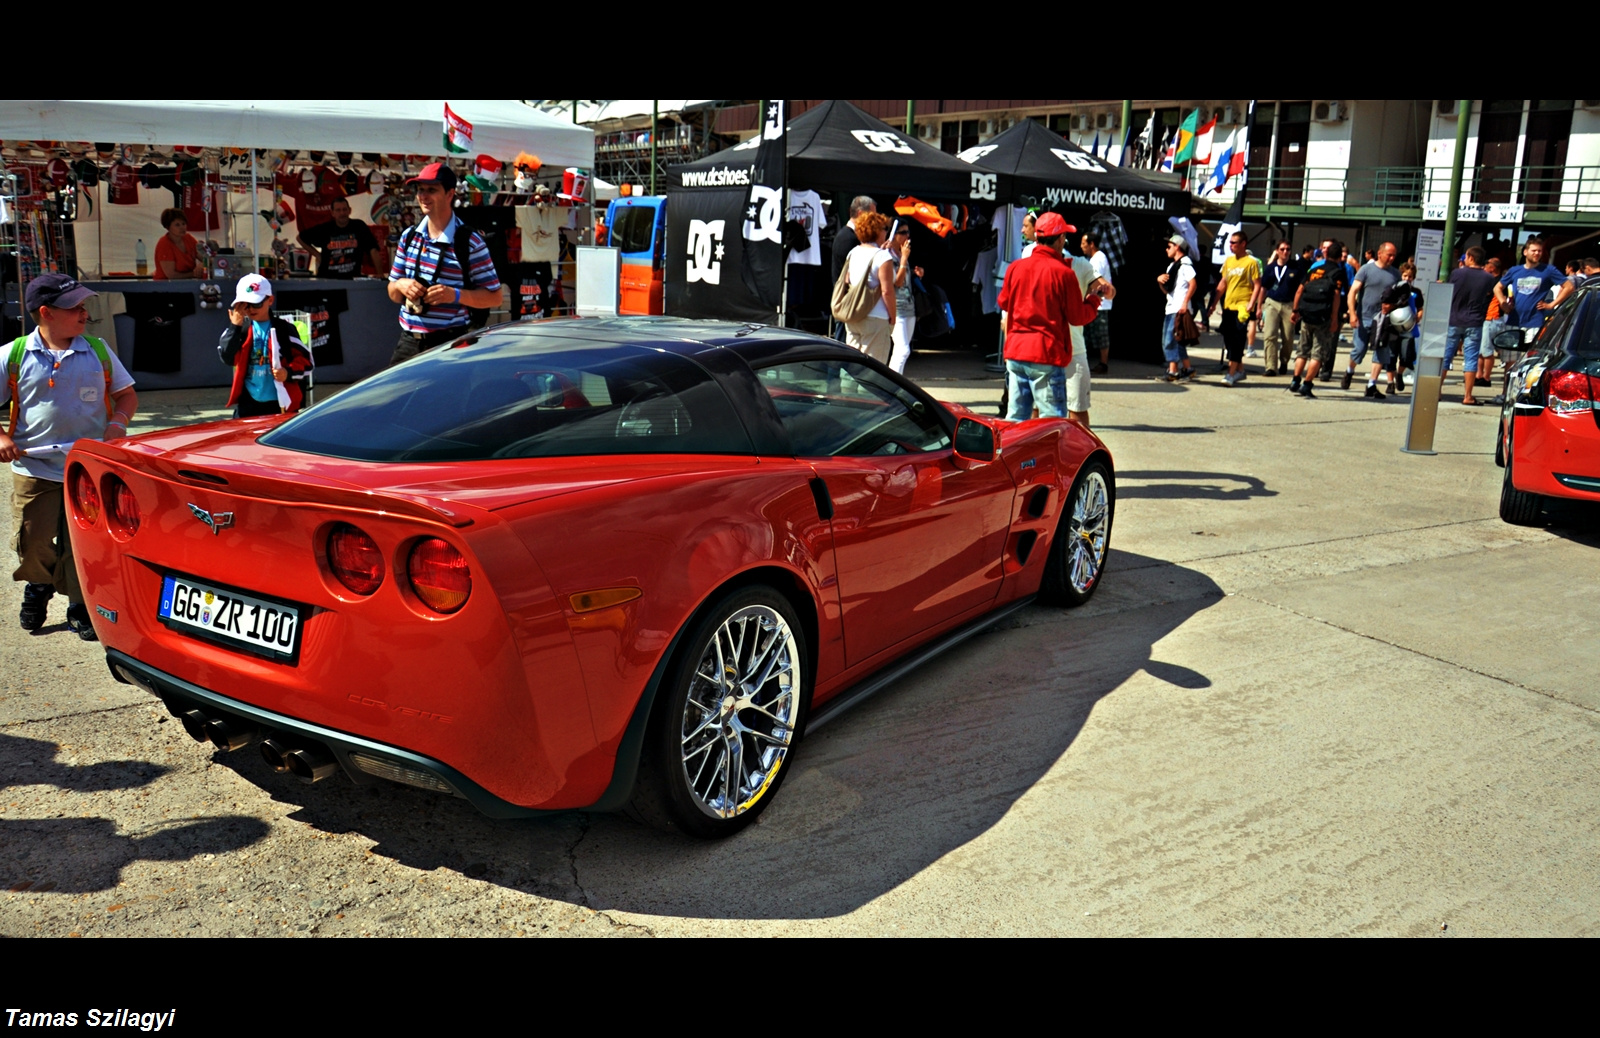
{"points": [[308, 764]]}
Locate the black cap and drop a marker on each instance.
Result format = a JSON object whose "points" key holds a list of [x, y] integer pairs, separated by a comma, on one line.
{"points": [[57, 290]]}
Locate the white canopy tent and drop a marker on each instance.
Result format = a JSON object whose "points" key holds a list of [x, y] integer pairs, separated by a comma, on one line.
{"points": [[402, 127]]}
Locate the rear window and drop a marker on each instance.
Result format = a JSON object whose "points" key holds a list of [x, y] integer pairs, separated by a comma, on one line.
{"points": [[502, 396], [634, 227], [1584, 340]]}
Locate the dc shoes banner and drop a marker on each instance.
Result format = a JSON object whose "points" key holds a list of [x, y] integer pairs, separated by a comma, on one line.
{"points": [[705, 259], [762, 227]]}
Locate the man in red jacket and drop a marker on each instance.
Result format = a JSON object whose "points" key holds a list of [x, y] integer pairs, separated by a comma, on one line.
{"points": [[1039, 303]]}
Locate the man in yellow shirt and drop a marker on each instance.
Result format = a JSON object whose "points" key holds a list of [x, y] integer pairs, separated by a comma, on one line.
{"points": [[1240, 273]]}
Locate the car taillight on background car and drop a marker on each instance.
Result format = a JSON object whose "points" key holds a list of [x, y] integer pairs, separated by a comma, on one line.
{"points": [[355, 559], [85, 498], [122, 511], [439, 575], [1571, 392]]}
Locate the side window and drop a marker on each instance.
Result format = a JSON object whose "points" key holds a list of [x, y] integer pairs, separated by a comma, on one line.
{"points": [[833, 408]]}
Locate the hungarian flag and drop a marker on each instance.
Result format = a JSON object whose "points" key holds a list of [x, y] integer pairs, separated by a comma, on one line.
{"points": [[457, 133], [1202, 141]]}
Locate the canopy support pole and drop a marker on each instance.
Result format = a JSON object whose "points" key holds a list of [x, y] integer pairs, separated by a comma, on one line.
{"points": [[255, 218]]}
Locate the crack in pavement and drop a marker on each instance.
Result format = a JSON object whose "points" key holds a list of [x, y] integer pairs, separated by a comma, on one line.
{"points": [[1418, 652], [583, 895], [53, 718]]}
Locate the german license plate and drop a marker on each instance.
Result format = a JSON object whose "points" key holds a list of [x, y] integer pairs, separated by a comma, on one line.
{"points": [[231, 617]]}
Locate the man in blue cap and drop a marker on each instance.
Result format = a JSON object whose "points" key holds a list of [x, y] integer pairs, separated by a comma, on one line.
{"points": [[61, 387]]}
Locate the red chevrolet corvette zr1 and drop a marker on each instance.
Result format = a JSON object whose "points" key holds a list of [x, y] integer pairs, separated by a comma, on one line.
{"points": [[618, 563]]}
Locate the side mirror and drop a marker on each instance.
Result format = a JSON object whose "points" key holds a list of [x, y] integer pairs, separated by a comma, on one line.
{"points": [[974, 440], [1510, 339]]}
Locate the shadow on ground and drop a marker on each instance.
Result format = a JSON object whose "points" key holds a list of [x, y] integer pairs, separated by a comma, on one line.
{"points": [[890, 788], [81, 855], [1171, 484]]}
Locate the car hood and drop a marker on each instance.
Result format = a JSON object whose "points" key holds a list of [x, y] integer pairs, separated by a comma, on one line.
{"points": [[232, 450]]}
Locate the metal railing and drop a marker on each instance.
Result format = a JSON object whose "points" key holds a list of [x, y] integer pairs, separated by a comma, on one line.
{"points": [[1404, 190]]}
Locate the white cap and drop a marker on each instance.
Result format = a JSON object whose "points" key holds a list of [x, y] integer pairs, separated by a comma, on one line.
{"points": [[253, 288]]}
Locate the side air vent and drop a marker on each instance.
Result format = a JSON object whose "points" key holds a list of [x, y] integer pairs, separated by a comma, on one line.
{"points": [[1025, 541], [1038, 501]]}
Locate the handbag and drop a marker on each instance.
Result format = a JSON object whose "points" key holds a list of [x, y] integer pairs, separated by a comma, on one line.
{"points": [[850, 303], [1184, 330]]}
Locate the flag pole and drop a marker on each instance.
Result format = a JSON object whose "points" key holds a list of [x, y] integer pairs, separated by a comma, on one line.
{"points": [[783, 218]]}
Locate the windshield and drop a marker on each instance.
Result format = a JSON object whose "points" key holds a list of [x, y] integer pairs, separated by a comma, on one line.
{"points": [[509, 395], [634, 227]]}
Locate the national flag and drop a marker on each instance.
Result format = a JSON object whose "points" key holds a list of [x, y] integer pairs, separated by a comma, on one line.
{"points": [[457, 132], [1224, 158], [1094, 149], [1169, 151], [1185, 142], [1202, 142]]}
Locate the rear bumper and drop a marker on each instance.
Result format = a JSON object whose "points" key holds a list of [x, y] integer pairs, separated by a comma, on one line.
{"points": [[1557, 456], [181, 696]]}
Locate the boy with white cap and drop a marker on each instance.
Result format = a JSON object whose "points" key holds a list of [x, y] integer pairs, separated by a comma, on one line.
{"points": [[264, 351]]}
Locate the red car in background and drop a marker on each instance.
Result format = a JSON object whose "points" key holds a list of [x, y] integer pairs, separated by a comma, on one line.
{"points": [[1550, 421], [619, 563]]}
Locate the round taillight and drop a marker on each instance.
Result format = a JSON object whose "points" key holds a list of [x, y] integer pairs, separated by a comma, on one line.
{"points": [[439, 575], [355, 559], [85, 498], [122, 511]]}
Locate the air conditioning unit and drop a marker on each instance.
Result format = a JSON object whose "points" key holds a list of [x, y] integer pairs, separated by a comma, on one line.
{"points": [[1227, 115], [1107, 121], [1446, 109], [929, 130], [1330, 112], [1082, 122], [1002, 125]]}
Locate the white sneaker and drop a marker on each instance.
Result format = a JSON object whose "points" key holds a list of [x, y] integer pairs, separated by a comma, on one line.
{"points": [[1252, 353], [1229, 379]]}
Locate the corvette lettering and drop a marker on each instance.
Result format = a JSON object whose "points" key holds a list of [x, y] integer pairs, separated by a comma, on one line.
{"points": [[403, 711]]}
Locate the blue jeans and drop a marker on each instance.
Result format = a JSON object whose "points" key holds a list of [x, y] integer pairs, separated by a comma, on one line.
{"points": [[1027, 384], [1470, 341], [1175, 354], [1362, 336]]}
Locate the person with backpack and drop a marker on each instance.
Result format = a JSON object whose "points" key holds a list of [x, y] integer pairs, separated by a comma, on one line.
{"points": [[871, 266], [1317, 310], [61, 386], [441, 271]]}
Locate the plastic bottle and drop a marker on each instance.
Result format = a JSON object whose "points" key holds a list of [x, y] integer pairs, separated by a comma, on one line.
{"points": [[141, 259]]}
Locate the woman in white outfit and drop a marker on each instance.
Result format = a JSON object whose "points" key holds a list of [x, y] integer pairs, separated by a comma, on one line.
{"points": [[870, 260], [905, 314]]}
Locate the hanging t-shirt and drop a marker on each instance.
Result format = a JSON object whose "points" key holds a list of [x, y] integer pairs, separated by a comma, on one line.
{"points": [[315, 206], [124, 185], [192, 200], [540, 226], [342, 248], [324, 309], [806, 207], [157, 329]]}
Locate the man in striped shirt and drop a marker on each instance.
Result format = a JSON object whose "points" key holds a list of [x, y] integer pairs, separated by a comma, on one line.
{"points": [[426, 276]]}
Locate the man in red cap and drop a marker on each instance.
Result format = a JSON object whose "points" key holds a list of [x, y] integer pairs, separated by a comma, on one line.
{"points": [[441, 268], [1040, 302]]}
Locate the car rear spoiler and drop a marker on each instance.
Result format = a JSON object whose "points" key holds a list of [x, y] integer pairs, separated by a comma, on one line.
{"points": [[272, 485]]}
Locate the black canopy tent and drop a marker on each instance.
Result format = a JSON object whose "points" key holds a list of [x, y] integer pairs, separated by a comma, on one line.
{"points": [[1045, 170], [834, 149]]}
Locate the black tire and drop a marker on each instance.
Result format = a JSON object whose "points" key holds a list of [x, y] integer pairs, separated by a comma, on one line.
{"points": [[1518, 507], [699, 733], [1082, 544]]}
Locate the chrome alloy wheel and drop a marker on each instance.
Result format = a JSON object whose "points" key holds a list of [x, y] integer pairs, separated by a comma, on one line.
{"points": [[741, 713], [1091, 525]]}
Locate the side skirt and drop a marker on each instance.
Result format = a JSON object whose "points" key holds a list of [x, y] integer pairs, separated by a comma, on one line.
{"points": [[859, 693]]}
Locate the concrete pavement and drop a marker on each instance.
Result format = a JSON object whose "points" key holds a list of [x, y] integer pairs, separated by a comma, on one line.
{"points": [[1323, 690]]}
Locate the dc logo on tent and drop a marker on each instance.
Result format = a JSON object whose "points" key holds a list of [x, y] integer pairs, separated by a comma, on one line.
{"points": [[882, 141], [705, 251], [1078, 160], [983, 185], [763, 215], [976, 152]]}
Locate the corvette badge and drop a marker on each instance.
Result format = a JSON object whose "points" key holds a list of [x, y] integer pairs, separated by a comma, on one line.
{"points": [[218, 522]]}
